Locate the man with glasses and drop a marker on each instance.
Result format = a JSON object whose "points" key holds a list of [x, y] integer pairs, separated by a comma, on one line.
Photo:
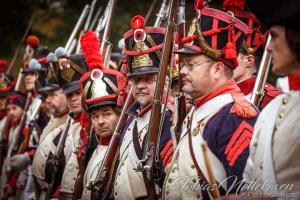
{"points": [[221, 118], [143, 50]]}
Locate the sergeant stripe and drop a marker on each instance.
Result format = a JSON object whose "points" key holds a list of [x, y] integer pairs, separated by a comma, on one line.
{"points": [[238, 142]]}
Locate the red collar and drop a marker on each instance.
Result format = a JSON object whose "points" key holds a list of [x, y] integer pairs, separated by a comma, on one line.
{"points": [[77, 117], [229, 88], [104, 140], [247, 85], [145, 110], [294, 82], [241, 107]]}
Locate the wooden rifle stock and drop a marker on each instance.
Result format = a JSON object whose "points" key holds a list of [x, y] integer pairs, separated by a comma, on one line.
{"points": [[149, 162], [82, 164], [259, 86], [58, 161], [104, 176], [24, 129], [181, 98]]}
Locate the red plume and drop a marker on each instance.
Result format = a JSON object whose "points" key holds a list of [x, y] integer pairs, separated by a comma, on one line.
{"points": [[234, 5], [137, 22], [198, 4], [3, 64], [33, 41], [90, 45]]}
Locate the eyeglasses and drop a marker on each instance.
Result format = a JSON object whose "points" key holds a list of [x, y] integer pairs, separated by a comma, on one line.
{"points": [[146, 79], [190, 66]]}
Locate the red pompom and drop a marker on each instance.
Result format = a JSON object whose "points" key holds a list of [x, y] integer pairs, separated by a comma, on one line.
{"points": [[188, 39], [3, 65], [198, 4], [234, 5], [137, 22], [230, 53], [90, 45], [33, 41]]}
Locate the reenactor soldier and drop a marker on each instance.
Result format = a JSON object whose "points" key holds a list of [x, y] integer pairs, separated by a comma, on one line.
{"points": [[250, 54], [58, 106], [221, 116], [272, 170], [142, 51], [72, 67], [15, 107], [103, 92]]}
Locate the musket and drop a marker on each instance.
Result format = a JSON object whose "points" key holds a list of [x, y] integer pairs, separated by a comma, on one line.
{"points": [[58, 161], [259, 86], [94, 21], [106, 33], [102, 20], [31, 114], [160, 16], [181, 109], [86, 24], [82, 164], [29, 51], [150, 160], [77, 26], [13, 147], [13, 61], [100, 186]]}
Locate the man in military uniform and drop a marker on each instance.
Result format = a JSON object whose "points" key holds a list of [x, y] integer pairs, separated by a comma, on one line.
{"points": [[71, 69], [15, 108], [250, 54], [103, 102], [143, 50], [272, 170], [221, 117], [59, 108]]}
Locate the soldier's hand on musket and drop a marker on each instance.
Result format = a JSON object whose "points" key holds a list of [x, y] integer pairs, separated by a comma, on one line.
{"points": [[20, 161]]}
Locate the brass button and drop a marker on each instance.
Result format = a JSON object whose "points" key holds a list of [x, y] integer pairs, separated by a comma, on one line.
{"points": [[170, 180], [193, 166], [281, 114], [74, 178], [195, 131], [284, 101], [194, 180], [128, 129], [261, 166], [198, 196]]}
